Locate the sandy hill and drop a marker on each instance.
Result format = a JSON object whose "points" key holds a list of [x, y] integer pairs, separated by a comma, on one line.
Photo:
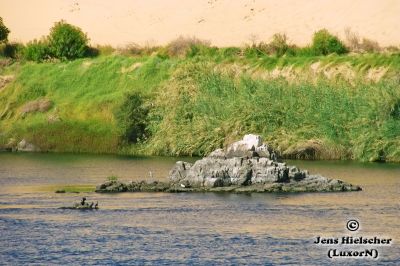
{"points": [[223, 22]]}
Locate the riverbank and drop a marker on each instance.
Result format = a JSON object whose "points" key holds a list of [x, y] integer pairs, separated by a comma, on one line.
{"points": [[333, 107]]}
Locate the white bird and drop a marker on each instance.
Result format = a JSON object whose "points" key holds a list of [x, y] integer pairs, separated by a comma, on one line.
{"points": [[182, 185]]}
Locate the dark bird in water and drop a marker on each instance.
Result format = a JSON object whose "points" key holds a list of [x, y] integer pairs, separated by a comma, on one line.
{"points": [[97, 205], [91, 205], [83, 201]]}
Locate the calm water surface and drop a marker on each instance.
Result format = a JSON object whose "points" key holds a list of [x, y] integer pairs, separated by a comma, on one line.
{"points": [[172, 229]]}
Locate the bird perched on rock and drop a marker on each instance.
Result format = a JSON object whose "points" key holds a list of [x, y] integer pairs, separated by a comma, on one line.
{"points": [[83, 201]]}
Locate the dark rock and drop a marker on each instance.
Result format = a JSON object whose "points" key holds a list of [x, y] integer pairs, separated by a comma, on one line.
{"points": [[82, 206], [112, 186]]}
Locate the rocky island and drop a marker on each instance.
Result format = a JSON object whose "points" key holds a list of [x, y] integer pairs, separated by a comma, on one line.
{"points": [[247, 165]]}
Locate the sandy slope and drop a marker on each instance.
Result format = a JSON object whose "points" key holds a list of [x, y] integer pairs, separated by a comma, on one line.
{"points": [[224, 22]]}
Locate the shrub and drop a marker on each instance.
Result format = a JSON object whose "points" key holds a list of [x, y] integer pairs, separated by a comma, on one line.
{"points": [[256, 50], [67, 41], [352, 40], [138, 50], [278, 45], [105, 49], [183, 45], [325, 43], [365, 45], [112, 178], [302, 51], [132, 117], [37, 50], [392, 49], [370, 46], [230, 51], [201, 49], [4, 31], [12, 50]]}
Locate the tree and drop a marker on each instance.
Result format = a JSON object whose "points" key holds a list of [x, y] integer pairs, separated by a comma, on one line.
{"points": [[67, 41], [325, 43], [4, 31]]}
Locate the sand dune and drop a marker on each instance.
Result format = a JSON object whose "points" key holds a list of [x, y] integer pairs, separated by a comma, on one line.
{"points": [[223, 22]]}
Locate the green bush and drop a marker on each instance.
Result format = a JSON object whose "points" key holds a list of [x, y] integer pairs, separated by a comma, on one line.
{"points": [[112, 178], [325, 43], [37, 50], [92, 52], [132, 118], [4, 31], [12, 50], [278, 45], [67, 41]]}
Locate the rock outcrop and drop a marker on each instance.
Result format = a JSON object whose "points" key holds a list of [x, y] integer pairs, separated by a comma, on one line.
{"points": [[140, 186], [244, 166], [252, 164]]}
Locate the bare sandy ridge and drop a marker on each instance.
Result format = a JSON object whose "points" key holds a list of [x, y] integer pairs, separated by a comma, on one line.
{"points": [[223, 22]]}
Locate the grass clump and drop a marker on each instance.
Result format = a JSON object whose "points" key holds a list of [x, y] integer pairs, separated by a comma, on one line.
{"points": [[132, 117], [205, 110], [185, 46], [76, 189], [134, 49], [112, 178], [37, 50]]}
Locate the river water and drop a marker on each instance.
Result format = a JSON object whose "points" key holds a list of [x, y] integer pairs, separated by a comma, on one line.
{"points": [[197, 228]]}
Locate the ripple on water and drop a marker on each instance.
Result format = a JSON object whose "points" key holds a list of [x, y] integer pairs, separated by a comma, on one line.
{"points": [[173, 229]]}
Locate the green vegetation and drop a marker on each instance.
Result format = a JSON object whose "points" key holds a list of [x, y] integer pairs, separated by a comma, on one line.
{"points": [[76, 189], [324, 43], [112, 178], [4, 31], [339, 107], [205, 110], [189, 98], [67, 41], [132, 116], [37, 50]]}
